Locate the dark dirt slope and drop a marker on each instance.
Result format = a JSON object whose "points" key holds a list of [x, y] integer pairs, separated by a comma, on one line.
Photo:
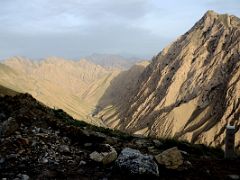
{"points": [[6, 91], [44, 143]]}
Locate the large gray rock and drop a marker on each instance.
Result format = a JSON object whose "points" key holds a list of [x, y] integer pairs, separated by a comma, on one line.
{"points": [[133, 162], [106, 156], [171, 158], [9, 126]]}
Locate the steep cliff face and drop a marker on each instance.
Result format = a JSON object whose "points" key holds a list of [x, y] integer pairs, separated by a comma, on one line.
{"points": [[191, 90]]}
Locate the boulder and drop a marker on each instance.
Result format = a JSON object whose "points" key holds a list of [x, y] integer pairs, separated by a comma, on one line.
{"points": [[9, 126], [170, 158], [135, 163], [106, 154]]}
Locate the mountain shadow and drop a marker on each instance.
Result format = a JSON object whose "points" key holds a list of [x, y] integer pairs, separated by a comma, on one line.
{"points": [[111, 105]]}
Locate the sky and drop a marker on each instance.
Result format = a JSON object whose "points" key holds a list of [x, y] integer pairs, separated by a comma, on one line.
{"points": [[77, 28]]}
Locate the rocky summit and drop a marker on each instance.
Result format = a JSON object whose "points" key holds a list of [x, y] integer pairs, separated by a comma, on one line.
{"points": [[38, 142]]}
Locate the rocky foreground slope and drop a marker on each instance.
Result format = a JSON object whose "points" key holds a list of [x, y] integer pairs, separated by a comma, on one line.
{"points": [[42, 143], [191, 90]]}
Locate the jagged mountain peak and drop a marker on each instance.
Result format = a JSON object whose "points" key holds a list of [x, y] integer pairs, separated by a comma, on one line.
{"points": [[211, 13], [211, 18]]}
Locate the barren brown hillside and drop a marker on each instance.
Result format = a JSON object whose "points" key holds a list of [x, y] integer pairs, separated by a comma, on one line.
{"points": [[191, 90], [74, 86]]}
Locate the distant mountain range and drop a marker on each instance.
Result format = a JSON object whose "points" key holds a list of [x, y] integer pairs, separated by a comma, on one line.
{"points": [[112, 61]]}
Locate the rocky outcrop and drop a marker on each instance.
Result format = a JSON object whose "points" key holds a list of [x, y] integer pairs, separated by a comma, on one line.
{"points": [[107, 155], [191, 89], [133, 162], [171, 158]]}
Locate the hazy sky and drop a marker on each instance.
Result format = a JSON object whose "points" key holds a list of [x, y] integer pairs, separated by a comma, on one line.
{"points": [[76, 28]]}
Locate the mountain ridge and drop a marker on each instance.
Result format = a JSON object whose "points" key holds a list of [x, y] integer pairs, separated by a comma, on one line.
{"points": [[57, 82], [191, 88], [75, 86]]}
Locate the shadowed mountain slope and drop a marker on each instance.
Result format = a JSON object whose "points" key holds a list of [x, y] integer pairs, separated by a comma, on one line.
{"points": [[6, 91], [191, 90]]}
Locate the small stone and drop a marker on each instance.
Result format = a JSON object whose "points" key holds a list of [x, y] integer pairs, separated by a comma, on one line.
{"points": [[157, 143], [187, 165], [18, 133], [106, 156], [66, 139], [67, 157], [21, 151], [143, 143], [12, 156], [88, 144], [9, 126], [38, 129], [34, 143], [44, 160], [82, 163], [24, 177], [111, 140], [171, 158], [184, 153], [96, 156], [233, 176], [153, 150], [2, 160], [23, 141], [79, 152], [64, 149]]}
